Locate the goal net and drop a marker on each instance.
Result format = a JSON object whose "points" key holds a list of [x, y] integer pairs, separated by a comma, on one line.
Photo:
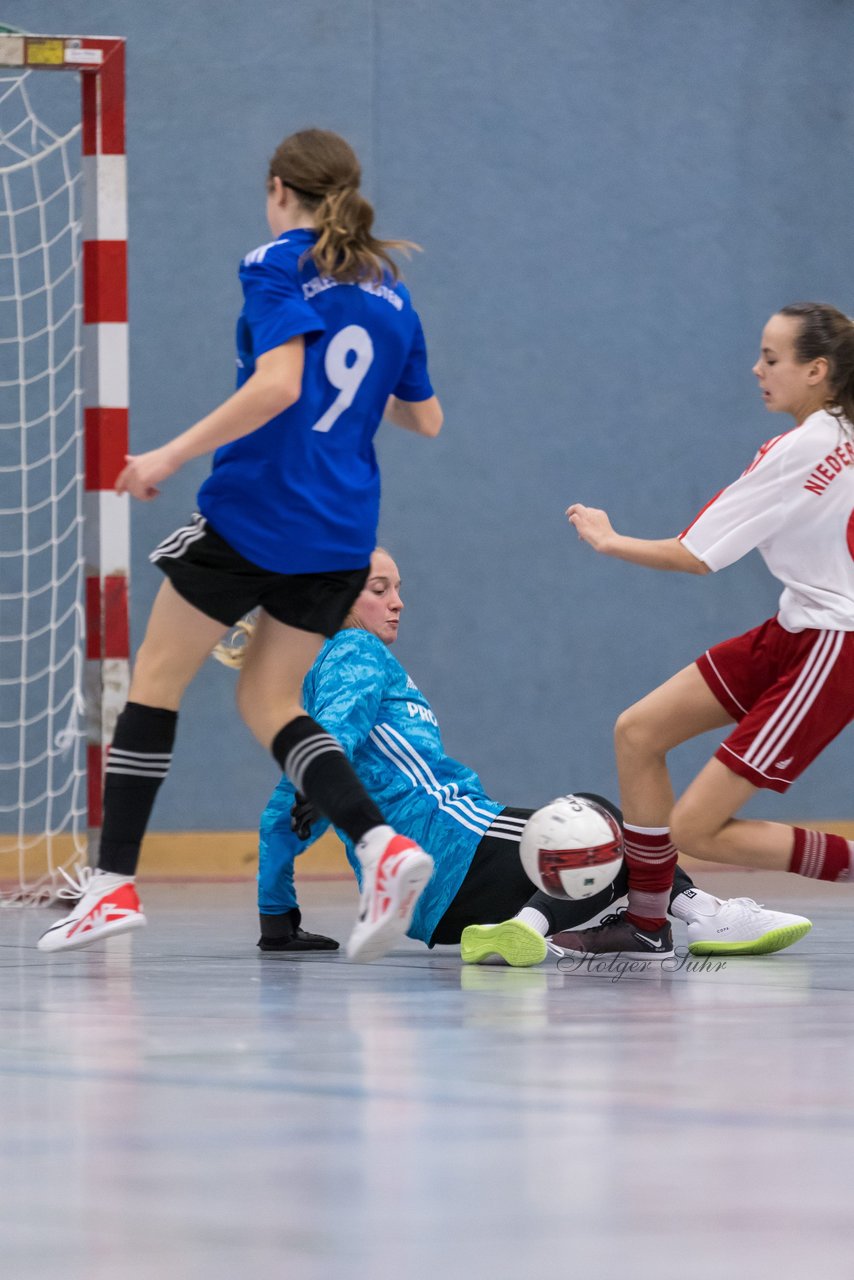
{"points": [[52, 621]]}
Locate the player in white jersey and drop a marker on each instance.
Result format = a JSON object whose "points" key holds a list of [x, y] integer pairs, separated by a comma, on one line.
{"points": [[328, 344], [788, 684]]}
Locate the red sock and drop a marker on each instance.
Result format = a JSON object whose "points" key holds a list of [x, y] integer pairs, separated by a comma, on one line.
{"points": [[821, 856], [651, 861]]}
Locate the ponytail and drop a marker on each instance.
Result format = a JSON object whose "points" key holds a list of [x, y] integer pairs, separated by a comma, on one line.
{"points": [[232, 650], [323, 172], [826, 332], [346, 249]]}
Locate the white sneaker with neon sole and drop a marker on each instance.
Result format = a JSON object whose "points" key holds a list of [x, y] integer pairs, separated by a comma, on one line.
{"points": [[109, 904], [395, 872], [742, 927]]}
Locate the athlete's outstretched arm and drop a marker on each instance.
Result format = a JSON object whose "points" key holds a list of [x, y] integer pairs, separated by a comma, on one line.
{"points": [[594, 527], [273, 387], [424, 417]]}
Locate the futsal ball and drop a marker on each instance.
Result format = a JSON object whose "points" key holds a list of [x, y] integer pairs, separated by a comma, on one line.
{"points": [[571, 848]]}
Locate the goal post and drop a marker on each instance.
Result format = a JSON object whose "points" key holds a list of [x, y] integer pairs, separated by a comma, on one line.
{"points": [[51, 811]]}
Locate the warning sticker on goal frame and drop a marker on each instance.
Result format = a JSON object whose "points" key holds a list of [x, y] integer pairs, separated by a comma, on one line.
{"points": [[45, 53], [82, 57]]}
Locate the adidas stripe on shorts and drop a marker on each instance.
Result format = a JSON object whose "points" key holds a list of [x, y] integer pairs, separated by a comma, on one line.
{"points": [[224, 585], [791, 693]]}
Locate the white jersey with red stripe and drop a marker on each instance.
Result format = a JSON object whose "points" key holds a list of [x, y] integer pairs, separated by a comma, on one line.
{"points": [[795, 505]]}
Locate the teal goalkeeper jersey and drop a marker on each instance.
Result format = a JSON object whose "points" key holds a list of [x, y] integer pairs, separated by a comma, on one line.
{"points": [[360, 693]]}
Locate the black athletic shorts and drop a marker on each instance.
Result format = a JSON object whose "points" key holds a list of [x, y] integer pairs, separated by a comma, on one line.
{"points": [[495, 886], [223, 584]]}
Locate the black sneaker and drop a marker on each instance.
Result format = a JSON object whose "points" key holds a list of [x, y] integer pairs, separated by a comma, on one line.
{"points": [[617, 936], [283, 933]]}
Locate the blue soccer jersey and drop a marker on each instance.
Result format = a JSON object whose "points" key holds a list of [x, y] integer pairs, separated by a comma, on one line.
{"points": [[360, 693], [301, 494]]}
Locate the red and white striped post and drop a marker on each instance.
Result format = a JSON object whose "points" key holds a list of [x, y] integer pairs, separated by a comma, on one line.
{"points": [[105, 329], [106, 537]]}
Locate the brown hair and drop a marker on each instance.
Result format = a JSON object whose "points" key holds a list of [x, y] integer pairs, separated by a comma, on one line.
{"points": [[826, 332], [324, 174]]}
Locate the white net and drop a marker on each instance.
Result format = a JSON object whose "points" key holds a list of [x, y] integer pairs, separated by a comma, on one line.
{"points": [[42, 727]]}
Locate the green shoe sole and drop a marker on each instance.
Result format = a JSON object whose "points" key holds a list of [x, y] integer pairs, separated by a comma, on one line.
{"points": [[514, 941], [773, 940]]}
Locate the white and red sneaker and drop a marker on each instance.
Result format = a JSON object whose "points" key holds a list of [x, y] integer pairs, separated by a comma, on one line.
{"points": [[109, 904], [394, 873]]}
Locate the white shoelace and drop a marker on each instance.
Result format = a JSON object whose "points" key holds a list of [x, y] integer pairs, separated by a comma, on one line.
{"points": [[78, 882]]}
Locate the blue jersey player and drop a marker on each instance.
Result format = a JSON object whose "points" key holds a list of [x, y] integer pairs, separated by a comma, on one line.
{"points": [[478, 893], [328, 343]]}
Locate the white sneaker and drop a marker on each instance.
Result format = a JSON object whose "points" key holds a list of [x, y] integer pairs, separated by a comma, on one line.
{"points": [[742, 927], [109, 904], [394, 873]]}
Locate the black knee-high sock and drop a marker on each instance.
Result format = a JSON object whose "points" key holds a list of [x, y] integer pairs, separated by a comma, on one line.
{"points": [[315, 763], [681, 882], [137, 763]]}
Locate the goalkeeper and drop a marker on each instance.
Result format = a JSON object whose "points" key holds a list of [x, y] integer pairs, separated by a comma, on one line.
{"points": [[478, 895]]}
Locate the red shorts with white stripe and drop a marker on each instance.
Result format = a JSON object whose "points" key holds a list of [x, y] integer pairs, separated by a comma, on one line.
{"points": [[791, 693]]}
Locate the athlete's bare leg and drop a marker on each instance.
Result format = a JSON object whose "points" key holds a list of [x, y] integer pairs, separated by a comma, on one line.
{"points": [[178, 640], [681, 708], [269, 689], [702, 823]]}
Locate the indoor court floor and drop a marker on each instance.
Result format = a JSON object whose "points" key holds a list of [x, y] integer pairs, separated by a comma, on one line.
{"points": [[176, 1104]]}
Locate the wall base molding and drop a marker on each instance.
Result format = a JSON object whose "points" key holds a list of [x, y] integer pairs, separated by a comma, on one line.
{"points": [[233, 855], [230, 855]]}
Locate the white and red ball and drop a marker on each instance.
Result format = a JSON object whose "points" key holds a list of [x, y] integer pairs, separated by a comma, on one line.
{"points": [[571, 848]]}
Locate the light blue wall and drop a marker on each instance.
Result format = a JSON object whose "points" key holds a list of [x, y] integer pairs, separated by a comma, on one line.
{"points": [[612, 197]]}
